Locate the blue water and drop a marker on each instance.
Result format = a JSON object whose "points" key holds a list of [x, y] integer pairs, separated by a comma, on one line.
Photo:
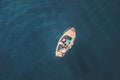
{"points": [[30, 29]]}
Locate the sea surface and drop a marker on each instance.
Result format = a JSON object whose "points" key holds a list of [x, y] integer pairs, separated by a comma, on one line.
{"points": [[30, 30]]}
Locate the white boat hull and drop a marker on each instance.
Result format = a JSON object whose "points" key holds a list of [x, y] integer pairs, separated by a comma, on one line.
{"points": [[70, 33]]}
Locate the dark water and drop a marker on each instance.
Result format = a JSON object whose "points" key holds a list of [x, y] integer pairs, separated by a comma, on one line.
{"points": [[30, 29]]}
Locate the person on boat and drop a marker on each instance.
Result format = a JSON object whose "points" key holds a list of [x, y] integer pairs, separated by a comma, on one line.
{"points": [[65, 43], [63, 40]]}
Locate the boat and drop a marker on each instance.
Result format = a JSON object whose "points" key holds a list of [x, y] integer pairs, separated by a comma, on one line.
{"points": [[65, 42]]}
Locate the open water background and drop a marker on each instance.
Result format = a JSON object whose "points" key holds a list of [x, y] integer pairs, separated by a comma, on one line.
{"points": [[30, 29]]}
